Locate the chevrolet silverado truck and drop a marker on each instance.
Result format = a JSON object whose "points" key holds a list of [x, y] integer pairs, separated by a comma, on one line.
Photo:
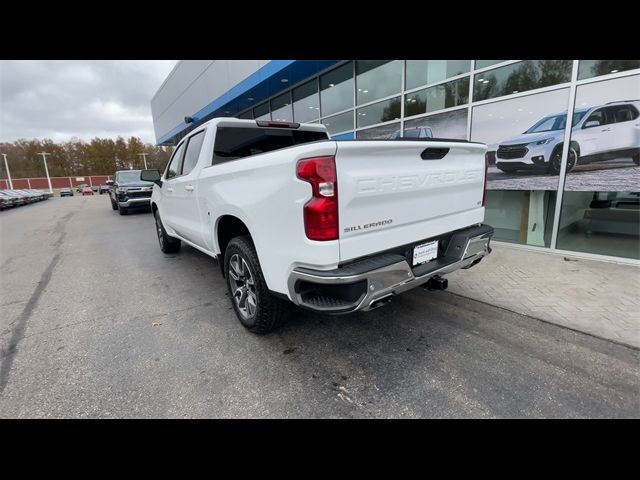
{"points": [[331, 226], [128, 191]]}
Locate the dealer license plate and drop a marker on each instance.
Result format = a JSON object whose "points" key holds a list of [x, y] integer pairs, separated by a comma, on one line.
{"points": [[425, 252]]}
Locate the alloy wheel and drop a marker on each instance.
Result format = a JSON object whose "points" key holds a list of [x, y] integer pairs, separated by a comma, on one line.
{"points": [[242, 286], [159, 232]]}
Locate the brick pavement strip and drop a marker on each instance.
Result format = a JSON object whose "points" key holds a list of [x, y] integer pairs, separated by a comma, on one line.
{"points": [[545, 286]]}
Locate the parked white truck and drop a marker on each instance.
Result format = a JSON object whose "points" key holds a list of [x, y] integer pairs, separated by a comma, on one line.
{"points": [[332, 226]]}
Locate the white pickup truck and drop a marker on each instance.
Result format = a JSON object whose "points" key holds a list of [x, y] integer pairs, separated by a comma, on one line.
{"points": [[332, 226]]}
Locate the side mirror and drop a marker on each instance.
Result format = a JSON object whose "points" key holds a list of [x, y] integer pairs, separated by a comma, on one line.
{"points": [[151, 176], [109, 182], [592, 123]]}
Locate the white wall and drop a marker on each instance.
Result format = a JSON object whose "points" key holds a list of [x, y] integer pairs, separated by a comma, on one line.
{"points": [[192, 85]]}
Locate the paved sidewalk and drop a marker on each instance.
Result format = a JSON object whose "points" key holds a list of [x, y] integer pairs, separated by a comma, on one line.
{"points": [[599, 298]]}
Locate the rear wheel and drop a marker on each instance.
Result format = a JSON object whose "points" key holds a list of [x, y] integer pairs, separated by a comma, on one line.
{"points": [[167, 243], [256, 308], [636, 158]]}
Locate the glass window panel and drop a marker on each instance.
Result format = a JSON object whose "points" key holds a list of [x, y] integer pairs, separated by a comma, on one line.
{"points": [[339, 123], [521, 77], [192, 154], [336, 90], [306, 102], [601, 202], [174, 164], [442, 125], [487, 63], [606, 223], [281, 101], [438, 97], [379, 112], [281, 109], [595, 68], [246, 115], [518, 216], [233, 143], [377, 79], [381, 132], [261, 112], [422, 72]]}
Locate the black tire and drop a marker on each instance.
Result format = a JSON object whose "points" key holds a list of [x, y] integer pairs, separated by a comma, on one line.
{"points": [[636, 158], [114, 205], [123, 210], [167, 243], [269, 311], [555, 161]]}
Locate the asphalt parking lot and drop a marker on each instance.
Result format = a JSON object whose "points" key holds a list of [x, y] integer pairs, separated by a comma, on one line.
{"points": [[97, 322]]}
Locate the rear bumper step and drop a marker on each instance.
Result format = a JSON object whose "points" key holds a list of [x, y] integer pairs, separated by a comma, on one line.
{"points": [[371, 282]]}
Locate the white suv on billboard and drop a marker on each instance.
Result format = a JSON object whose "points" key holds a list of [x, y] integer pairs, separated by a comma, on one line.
{"points": [[600, 133]]}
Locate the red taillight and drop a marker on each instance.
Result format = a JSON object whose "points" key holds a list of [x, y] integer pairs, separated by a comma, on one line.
{"points": [[321, 212], [486, 171]]}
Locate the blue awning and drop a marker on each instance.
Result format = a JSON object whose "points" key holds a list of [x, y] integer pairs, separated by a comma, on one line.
{"points": [[262, 84]]}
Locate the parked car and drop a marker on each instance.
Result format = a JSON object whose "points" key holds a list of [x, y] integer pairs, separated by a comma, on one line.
{"points": [[415, 132], [29, 195], [333, 227], [66, 192], [20, 198], [128, 191], [599, 133], [103, 189], [94, 188], [87, 191], [7, 201], [39, 195], [81, 187]]}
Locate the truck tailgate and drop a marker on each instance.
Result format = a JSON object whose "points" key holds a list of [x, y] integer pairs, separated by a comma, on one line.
{"points": [[396, 192]]}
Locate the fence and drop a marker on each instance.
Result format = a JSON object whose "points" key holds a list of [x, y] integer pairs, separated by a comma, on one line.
{"points": [[56, 182]]}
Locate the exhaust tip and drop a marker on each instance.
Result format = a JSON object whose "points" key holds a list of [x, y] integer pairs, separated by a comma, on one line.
{"points": [[380, 302]]}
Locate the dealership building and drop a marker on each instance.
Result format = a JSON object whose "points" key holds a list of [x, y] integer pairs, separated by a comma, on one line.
{"points": [[571, 189]]}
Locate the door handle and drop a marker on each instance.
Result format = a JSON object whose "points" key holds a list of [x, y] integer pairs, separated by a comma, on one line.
{"points": [[606, 130], [169, 189], [189, 188]]}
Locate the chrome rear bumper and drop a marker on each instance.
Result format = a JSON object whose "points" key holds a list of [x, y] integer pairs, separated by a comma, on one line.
{"points": [[369, 282]]}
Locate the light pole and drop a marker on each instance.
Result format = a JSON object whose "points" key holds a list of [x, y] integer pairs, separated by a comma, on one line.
{"points": [[6, 165], [144, 157], [46, 169]]}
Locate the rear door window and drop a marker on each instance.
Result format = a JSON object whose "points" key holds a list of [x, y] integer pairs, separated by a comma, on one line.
{"points": [[233, 143], [624, 113]]}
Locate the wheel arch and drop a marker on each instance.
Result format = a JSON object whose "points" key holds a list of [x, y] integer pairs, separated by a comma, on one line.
{"points": [[227, 227], [573, 144]]}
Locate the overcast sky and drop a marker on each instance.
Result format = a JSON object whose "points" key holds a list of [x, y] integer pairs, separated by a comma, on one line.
{"points": [[61, 99]]}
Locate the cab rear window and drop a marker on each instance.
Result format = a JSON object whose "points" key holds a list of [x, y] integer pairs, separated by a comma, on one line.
{"points": [[233, 143]]}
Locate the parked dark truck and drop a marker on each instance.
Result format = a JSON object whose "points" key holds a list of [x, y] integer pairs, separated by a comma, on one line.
{"points": [[127, 191]]}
